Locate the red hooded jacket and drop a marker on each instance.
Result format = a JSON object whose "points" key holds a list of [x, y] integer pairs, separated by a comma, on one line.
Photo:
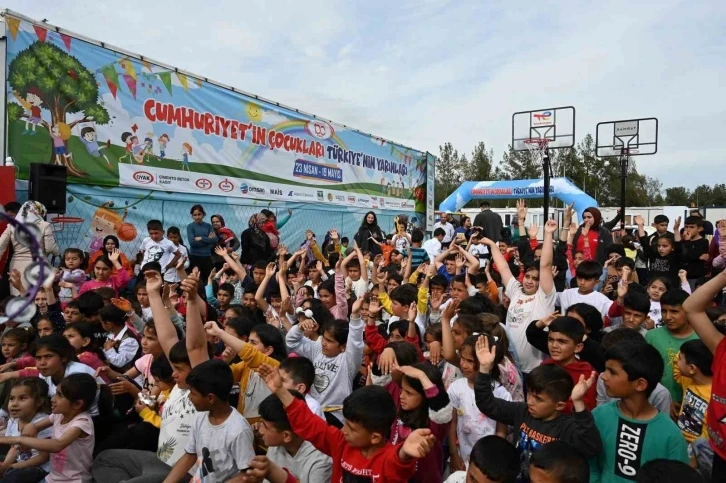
{"points": [[575, 369]]}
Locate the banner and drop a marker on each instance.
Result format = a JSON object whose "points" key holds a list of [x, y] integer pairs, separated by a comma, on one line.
{"points": [[115, 120]]}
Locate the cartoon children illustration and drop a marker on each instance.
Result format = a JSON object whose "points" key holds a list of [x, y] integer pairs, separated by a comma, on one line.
{"points": [[144, 151], [32, 102], [163, 140], [88, 138], [106, 222], [186, 152], [60, 132], [130, 140]]}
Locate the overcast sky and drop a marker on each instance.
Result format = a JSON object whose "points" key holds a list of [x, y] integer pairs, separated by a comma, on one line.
{"points": [[426, 72]]}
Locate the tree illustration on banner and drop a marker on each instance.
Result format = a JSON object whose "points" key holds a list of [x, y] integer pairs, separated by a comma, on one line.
{"points": [[44, 77]]}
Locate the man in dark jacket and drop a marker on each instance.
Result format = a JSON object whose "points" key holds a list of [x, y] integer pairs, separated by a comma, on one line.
{"points": [[490, 222]]}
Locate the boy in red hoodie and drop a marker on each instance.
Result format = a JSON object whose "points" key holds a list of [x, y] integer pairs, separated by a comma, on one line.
{"points": [[361, 447], [564, 342]]}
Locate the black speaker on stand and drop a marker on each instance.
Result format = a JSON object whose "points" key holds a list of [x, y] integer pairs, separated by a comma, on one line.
{"points": [[47, 185]]}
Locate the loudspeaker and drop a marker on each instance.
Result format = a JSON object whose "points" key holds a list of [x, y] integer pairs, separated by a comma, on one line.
{"points": [[47, 185]]}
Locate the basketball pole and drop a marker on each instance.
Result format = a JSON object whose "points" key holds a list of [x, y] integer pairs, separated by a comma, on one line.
{"points": [[546, 167], [623, 178]]}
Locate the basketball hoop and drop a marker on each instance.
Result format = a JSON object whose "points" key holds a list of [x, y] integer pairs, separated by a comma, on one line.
{"points": [[59, 222], [537, 146]]}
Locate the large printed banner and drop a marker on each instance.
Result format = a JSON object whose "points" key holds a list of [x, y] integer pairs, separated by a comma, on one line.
{"points": [[117, 120]]}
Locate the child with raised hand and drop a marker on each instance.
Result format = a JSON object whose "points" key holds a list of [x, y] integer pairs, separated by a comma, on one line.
{"points": [[298, 374], [121, 347], [633, 431], [362, 446], [665, 256], [531, 300], [540, 419], [252, 354], [336, 355], [102, 273], [73, 435], [424, 404], [27, 404], [468, 423], [124, 464], [695, 307]]}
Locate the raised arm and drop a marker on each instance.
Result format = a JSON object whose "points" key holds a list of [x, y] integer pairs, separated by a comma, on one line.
{"points": [[677, 229], [232, 262], [696, 305], [499, 261], [196, 339], [546, 279], [164, 327], [260, 294]]}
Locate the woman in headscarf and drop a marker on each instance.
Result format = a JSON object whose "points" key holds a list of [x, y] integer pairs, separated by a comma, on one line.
{"points": [[226, 239], [110, 243], [594, 235], [272, 226], [255, 242], [369, 229], [31, 213]]}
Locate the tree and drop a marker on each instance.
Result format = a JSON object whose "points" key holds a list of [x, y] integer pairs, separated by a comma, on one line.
{"points": [[480, 167], [63, 84], [677, 196], [702, 195], [520, 165], [448, 172]]}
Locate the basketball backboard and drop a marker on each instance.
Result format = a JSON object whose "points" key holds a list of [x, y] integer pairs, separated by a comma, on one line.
{"points": [[632, 137], [556, 124]]}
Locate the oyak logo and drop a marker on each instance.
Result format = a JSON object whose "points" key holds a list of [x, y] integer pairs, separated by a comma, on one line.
{"points": [[143, 177]]}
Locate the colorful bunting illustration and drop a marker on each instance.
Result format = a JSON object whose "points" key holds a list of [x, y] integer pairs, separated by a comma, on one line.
{"points": [[131, 83], [198, 82], [66, 41], [165, 78], [13, 26], [183, 81], [40, 32], [128, 67], [111, 77], [146, 64]]}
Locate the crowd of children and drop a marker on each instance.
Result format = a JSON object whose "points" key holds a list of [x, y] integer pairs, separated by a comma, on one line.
{"points": [[398, 360]]}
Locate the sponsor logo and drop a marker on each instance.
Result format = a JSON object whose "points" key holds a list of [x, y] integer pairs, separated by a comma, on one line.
{"points": [[542, 116], [383, 202], [364, 201], [321, 197], [340, 198], [351, 200], [226, 186], [374, 199], [203, 184], [319, 129], [275, 191], [143, 177], [330, 196], [244, 188], [255, 189]]}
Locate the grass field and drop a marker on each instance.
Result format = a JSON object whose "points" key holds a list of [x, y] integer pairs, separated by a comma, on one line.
{"points": [[26, 149]]}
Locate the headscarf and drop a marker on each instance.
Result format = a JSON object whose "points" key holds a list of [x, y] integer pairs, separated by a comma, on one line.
{"points": [[597, 216], [257, 236], [270, 227], [31, 212], [110, 237]]}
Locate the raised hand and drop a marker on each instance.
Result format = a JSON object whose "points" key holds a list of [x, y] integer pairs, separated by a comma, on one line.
{"points": [[677, 224], [374, 308], [437, 301], [582, 386], [212, 275], [412, 310], [435, 353], [550, 226], [639, 220], [114, 255], [387, 361], [521, 210], [122, 304], [485, 355], [721, 227], [627, 274], [451, 309], [546, 321], [270, 270], [333, 234], [622, 287], [418, 444], [460, 262], [319, 266], [180, 263], [153, 281], [533, 230], [220, 251], [569, 211], [683, 275], [271, 376], [212, 329], [381, 277], [555, 271], [190, 285]]}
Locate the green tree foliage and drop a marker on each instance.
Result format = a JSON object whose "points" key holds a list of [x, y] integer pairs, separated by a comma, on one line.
{"points": [[66, 87], [677, 196]]}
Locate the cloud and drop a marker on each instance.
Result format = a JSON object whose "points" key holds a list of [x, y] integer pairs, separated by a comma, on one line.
{"points": [[273, 117]]}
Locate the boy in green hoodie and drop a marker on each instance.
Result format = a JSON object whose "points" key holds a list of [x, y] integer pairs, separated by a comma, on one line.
{"points": [[633, 431]]}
